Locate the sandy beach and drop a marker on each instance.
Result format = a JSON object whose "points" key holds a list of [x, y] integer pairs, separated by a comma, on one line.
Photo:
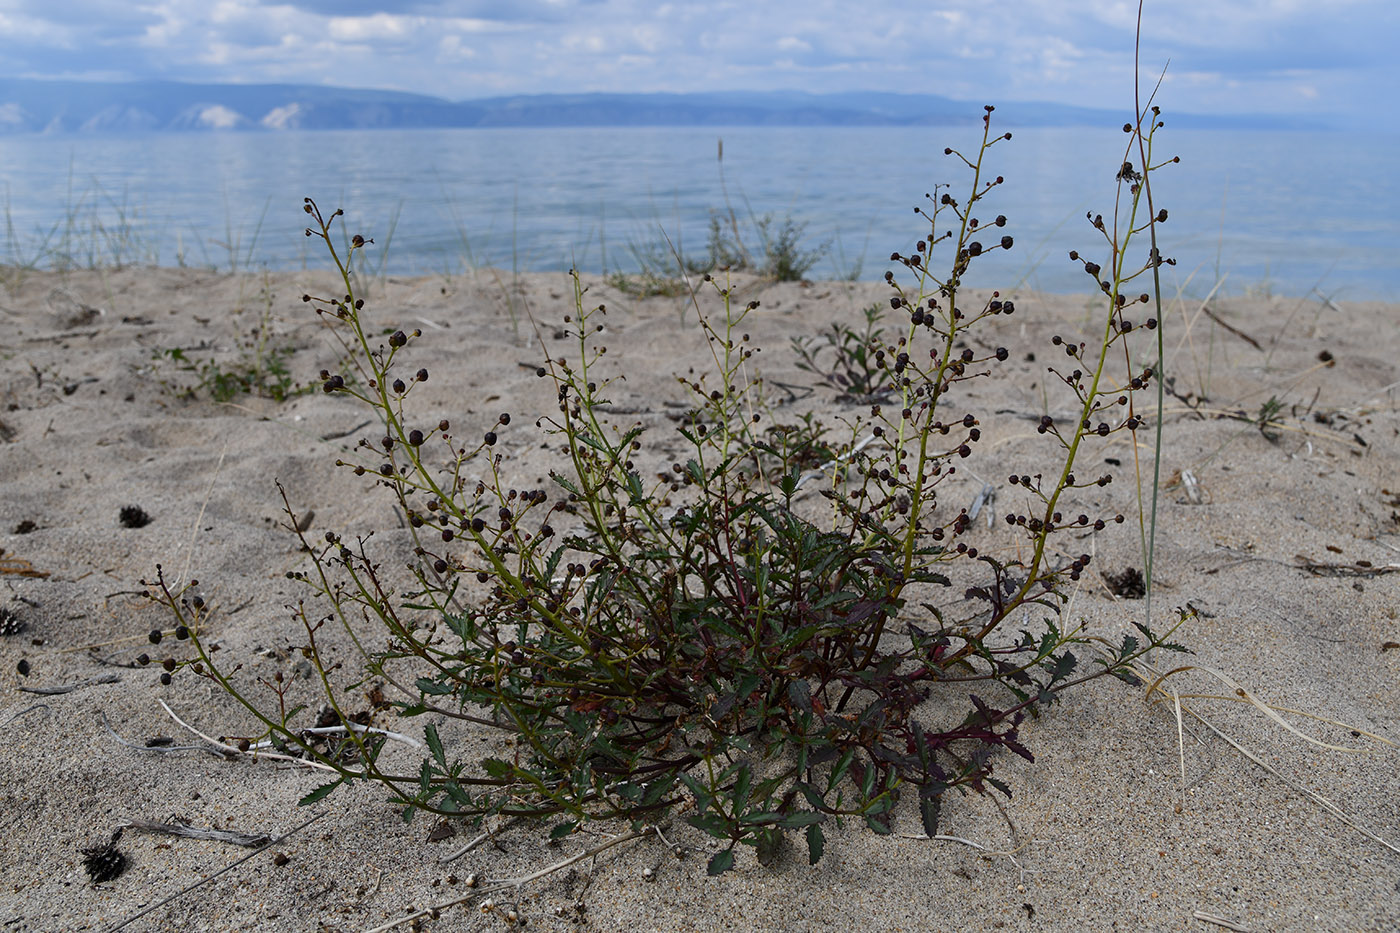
{"points": [[1287, 545]]}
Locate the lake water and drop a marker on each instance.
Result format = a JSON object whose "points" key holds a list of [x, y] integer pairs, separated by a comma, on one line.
{"points": [[1286, 212]]}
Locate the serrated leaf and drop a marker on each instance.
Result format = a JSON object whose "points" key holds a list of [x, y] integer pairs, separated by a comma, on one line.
{"points": [[798, 820], [740, 796], [930, 807], [1130, 644], [563, 829], [321, 792], [498, 769], [430, 733], [714, 825], [1127, 676], [816, 844], [432, 687], [720, 863], [1064, 666], [810, 792], [760, 817], [568, 486]]}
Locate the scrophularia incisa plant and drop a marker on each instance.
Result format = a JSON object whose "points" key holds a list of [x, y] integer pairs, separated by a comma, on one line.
{"points": [[654, 634]]}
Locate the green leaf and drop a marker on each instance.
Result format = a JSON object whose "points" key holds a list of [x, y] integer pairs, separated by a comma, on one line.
{"points": [[432, 687], [816, 844], [930, 806], [498, 769], [810, 792], [798, 820], [435, 745], [320, 792], [741, 787], [842, 766], [770, 843], [702, 795], [656, 790], [1127, 676], [1130, 645], [721, 863], [563, 829], [716, 826], [568, 486], [800, 693], [760, 817], [459, 796]]}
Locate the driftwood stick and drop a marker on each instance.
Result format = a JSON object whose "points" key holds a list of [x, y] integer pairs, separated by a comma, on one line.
{"points": [[229, 867], [69, 688], [190, 832]]}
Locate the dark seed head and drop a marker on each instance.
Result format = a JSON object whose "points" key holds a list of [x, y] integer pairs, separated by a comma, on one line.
{"points": [[133, 516]]}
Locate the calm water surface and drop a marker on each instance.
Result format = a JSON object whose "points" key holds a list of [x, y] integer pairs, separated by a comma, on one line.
{"points": [[1285, 212]]}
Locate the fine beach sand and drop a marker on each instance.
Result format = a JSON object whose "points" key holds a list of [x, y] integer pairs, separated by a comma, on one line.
{"points": [[1285, 557]]}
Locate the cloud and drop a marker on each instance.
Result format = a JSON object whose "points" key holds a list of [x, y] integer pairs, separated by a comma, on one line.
{"points": [[281, 118], [218, 117], [376, 27], [1266, 51]]}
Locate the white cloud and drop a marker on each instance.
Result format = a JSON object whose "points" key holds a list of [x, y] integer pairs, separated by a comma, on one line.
{"points": [[1280, 53], [219, 117], [281, 118], [367, 28]]}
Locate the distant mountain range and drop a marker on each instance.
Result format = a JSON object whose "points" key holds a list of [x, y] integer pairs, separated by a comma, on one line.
{"points": [[37, 106]]}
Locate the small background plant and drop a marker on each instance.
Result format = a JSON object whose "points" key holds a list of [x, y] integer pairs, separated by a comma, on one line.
{"points": [[261, 366]]}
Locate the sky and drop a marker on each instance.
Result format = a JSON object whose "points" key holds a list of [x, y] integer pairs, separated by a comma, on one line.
{"points": [[1324, 58]]}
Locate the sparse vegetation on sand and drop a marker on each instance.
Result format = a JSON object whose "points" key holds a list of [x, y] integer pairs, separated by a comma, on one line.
{"points": [[654, 633]]}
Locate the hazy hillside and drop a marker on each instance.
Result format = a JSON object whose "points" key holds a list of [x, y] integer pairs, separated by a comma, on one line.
{"points": [[30, 106]]}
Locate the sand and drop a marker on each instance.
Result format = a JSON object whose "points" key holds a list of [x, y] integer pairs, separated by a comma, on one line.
{"points": [[1286, 558]]}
